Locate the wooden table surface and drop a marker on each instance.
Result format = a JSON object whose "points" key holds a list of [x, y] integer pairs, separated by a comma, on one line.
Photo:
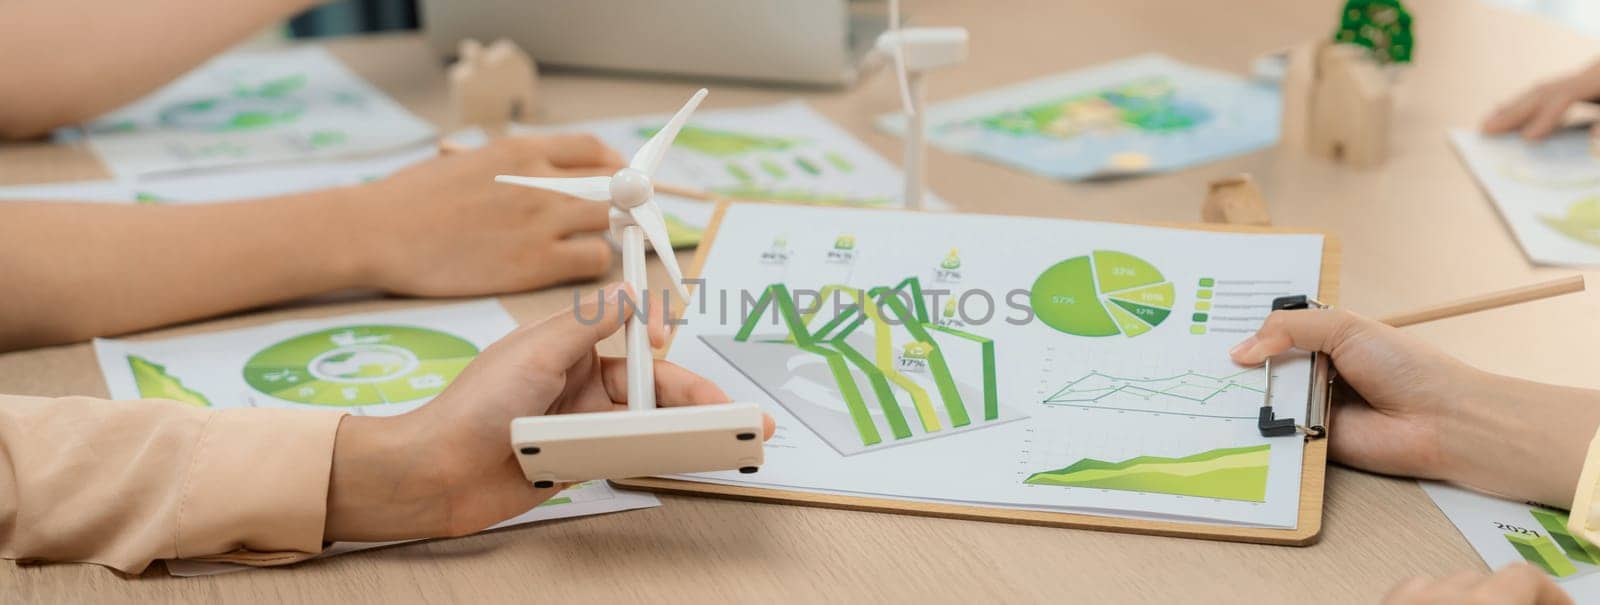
{"points": [[1415, 230]]}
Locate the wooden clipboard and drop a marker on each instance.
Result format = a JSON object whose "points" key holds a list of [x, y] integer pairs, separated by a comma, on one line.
{"points": [[1307, 530]]}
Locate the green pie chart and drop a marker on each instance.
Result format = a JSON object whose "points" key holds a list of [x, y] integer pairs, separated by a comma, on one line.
{"points": [[1104, 293], [359, 365]]}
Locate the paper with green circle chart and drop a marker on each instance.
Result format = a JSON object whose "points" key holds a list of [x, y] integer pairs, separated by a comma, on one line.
{"points": [[375, 364], [1018, 362], [253, 108], [359, 365], [1547, 191]]}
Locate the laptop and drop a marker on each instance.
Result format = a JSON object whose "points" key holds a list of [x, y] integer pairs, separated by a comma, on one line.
{"points": [[801, 42]]}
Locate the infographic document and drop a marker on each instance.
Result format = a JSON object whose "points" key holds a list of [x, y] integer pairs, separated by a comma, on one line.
{"points": [[1014, 362]]}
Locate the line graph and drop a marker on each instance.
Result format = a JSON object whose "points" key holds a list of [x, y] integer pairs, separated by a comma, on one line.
{"points": [[1190, 393]]}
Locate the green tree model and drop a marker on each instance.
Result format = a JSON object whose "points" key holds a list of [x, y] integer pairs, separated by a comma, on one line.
{"points": [[1381, 25]]}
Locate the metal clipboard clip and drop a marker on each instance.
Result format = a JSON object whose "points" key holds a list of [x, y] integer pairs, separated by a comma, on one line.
{"points": [[1317, 401]]}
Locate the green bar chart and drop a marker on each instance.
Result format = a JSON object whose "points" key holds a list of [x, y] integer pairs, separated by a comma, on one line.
{"points": [[1540, 551], [1558, 551], [1576, 548], [875, 370], [774, 170], [839, 161], [807, 165]]}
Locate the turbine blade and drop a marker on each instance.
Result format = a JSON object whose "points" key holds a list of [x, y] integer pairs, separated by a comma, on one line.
{"points": [[648, 217], [594, 188], [648, 159], [904, 80]]}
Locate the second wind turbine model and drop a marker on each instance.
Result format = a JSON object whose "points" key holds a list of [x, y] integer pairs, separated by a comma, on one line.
{"points": [[916, 51], [644, 440]]}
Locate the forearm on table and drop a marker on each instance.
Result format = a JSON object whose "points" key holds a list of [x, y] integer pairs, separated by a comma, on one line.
{"points": [[71, 60], [76, 271], [1521, 439]]}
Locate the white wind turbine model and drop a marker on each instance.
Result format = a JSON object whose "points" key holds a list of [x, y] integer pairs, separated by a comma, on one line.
{"points": [[644, 440], [916, 51]]}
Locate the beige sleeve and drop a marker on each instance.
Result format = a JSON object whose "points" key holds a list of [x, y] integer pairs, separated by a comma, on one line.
{"points": [[1585, 519], [123, 483]]}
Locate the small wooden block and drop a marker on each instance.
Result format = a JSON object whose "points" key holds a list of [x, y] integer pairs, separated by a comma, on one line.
{"points": [[1350, 107], [449, 148], [492, 86], [1337, 103], [1235, 201]]}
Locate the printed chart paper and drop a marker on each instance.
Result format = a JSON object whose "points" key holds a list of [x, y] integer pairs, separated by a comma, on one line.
{"points": [[1028, 363], [1143, 114], [262, 181], [79, 191], [1505, 532], [785, 152], [243, 183], [1548, 192], [277, 179], [244, 108], [377, 364]]}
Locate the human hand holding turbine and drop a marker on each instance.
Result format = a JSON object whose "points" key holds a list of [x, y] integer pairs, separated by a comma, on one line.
{"points": [[644, 440]]}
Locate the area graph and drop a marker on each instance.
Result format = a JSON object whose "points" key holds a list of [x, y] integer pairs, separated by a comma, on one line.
{"points": [[155, 382], [1237, 473]]}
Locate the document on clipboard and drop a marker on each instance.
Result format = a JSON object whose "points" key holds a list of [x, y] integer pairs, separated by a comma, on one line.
{"points": [[1014, 369]]}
